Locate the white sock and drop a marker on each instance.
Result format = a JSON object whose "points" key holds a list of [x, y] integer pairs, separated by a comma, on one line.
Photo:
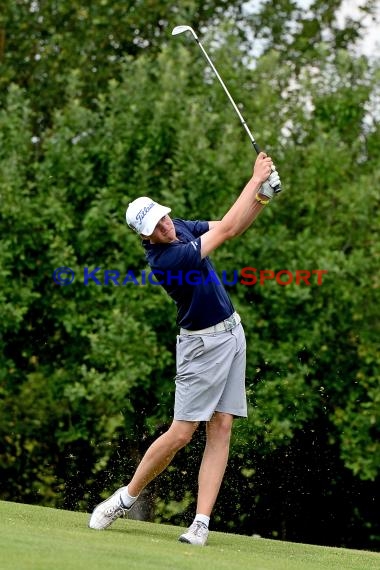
{"points": [[126, 498], [202, 518]]}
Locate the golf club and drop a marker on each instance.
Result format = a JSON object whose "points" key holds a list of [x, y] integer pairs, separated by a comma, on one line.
{"points": [[179, 30]]}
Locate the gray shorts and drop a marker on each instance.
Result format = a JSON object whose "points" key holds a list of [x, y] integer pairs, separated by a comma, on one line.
{"points": [[210, 375]]}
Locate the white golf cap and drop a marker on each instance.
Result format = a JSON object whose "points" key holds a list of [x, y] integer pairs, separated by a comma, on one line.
{"points": [[143, 214]]}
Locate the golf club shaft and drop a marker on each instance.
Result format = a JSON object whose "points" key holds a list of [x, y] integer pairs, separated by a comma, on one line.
{"points": [[254, 143], [180, 30]]}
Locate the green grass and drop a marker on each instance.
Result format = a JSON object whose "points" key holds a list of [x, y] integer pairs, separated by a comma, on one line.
{"points": [[39, 538]]}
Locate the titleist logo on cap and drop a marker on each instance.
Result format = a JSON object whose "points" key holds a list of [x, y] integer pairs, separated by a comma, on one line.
{"points": [[142, 213]]}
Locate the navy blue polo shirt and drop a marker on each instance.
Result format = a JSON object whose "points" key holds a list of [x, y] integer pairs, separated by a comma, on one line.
{"points": [[191, 282]]}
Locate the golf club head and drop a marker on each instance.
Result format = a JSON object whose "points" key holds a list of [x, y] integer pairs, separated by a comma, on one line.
{"points": [[180, 29]]}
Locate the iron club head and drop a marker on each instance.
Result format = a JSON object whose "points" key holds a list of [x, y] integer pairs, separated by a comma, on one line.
{"points": [[180, 29]]}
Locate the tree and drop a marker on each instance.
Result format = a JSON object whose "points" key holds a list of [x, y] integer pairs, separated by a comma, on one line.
{"points": [[44, 42]]}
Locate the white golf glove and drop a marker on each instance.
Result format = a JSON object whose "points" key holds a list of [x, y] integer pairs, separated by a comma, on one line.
{"points": [[271, 186]]}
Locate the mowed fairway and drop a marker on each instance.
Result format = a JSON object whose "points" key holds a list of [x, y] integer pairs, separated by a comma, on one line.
{"points": [[39, 538]]}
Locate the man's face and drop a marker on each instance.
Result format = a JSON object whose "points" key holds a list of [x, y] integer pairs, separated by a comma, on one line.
{"points": [[164, 232]]}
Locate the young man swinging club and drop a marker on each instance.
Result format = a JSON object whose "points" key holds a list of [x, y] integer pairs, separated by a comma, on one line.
{"points": [[210, 379]]}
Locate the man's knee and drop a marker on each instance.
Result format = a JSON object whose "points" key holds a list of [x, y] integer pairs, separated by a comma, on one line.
{"points": [[183, 439], [182, 433], [221, 426]]}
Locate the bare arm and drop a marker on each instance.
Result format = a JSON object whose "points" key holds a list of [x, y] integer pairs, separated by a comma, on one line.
{"points": [[242, 213]]}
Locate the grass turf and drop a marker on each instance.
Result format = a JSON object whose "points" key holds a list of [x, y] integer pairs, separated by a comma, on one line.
{"points": [[40, 538]]}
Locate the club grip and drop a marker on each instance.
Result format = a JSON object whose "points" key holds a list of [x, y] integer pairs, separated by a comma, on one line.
{"points": [[256, 147]]}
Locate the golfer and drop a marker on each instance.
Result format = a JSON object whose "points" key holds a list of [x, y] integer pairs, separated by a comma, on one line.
{"points": [[210, 352]]}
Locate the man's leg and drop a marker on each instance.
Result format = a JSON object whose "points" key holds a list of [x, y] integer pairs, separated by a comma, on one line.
{"points": [[213, 466], [214, 462], [156, 459], [160, 454]]}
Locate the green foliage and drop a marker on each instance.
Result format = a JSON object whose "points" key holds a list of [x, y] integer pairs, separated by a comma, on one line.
{"points": [[41, 43], [296, 31], [307, 343]]}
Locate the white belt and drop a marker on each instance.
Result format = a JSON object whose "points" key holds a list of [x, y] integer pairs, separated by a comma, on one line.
{"points": [[223, 326]]}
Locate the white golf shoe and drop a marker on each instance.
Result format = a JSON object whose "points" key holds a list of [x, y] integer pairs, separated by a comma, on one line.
{"points": [[196, 534], [108, 511]]}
